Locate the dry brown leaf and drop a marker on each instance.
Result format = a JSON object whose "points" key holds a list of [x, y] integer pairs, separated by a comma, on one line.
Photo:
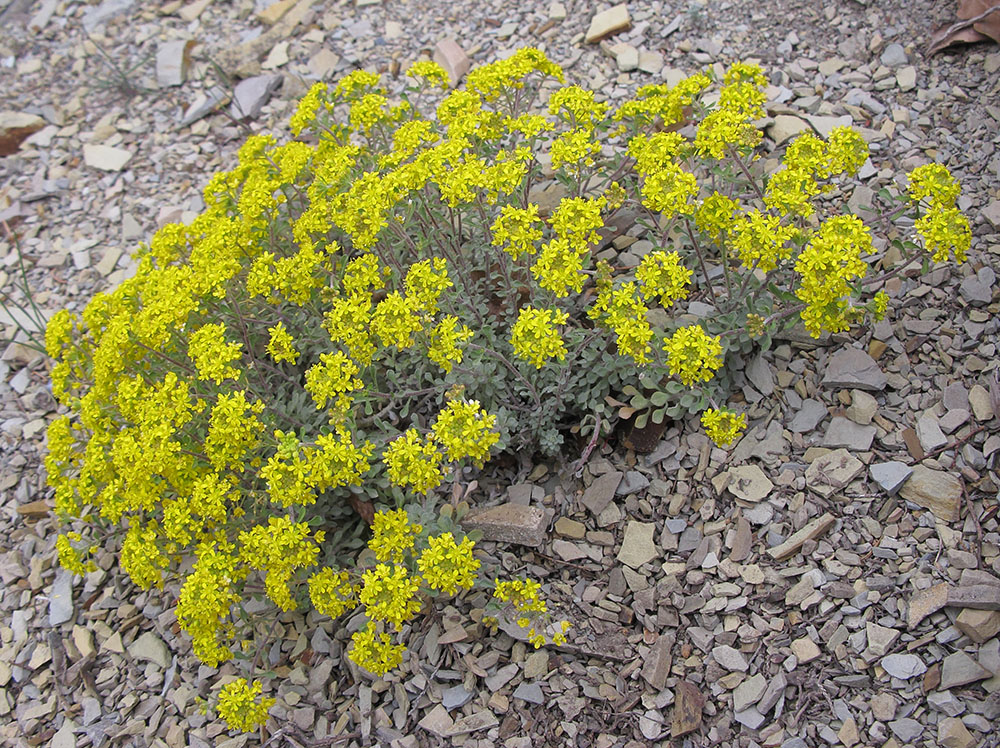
{"points": [[979, 21], [990, 24]]}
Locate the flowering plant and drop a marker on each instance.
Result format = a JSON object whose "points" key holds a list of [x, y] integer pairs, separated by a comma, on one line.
{"points": [[360, 312]]}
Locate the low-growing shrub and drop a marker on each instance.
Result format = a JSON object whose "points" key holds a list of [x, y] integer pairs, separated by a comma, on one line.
{"points": [[361, 312]]}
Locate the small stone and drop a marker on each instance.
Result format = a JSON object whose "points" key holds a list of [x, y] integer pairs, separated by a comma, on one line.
{"points": [[750, 718], [992, 213], [510, 523], [749, 483], [536, 664], [894, 56], [906, 729], [172, 61], [945, 701], [393, 30], [83, 640], [150, 648], [832, 472], [925, 602], [688, 704], [958, 669], [275, 11], [935, 490], [785, 127], [570, 528], [863, 407], [557, 11], [808, 416], [633, 482], [952, 733], [656, 668], [627, 58], [250, 95], [812, 530], [929, 433], [437, 721], [61, 598], [884, 706], [846, 433], [638, 547], [449, 55], [906, 78], [456, 697], [530, 692], [979, 625], [852, 367], [650, 62], [890, 475], [903, 666], [651, 724], [608, 22], [953, 420], [805, 650], [64, 737], [880, 638], [600, 493], [748, 692], [191, 11], [105, 157], [501, 677], [979, 400], [729, 658], [323, 63], [848, 732]]}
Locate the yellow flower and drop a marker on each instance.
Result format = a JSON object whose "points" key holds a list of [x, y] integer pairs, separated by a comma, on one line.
{"points": [[446, 338], [332, 592], [239, 707], [662, 274], [693, 354], [934, 183], [464, 429], [389, 594], [412, 461], [448, 566], [535, 337], [393, 534], [281, 345], [374, 651], [723, 426], [331, 379], [428, 71], [715, 215], [212, 355]]}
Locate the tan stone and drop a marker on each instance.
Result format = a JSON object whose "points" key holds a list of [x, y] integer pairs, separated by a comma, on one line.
{"points": [[608, 22], [925, 602], [952, 733], [15, 127], [812, 530], [805, 650], [510, 523], [979, 625], [449, 55], [935, 490]]}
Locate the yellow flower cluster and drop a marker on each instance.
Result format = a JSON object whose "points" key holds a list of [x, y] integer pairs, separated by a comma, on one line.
{"points": [[523, 596], [944, 228], [661, 274], [534, 335], [622, 310], [723, 426], [827, 266], [693, 355], [448, 566], [240, 707]]}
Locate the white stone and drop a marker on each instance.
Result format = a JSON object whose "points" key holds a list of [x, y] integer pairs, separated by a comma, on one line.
{"points": [[106, 157], [608, 22]]}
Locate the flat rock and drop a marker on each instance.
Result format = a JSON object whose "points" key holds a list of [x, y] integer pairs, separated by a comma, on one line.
{"points": [[979, 625], [150, 648], [449, 55], [808, 416], [105, 157], [510, 523], [172, 61], [890, 475], [929, 433], [748, 692], [952, 733], [805, 649], [638, 547], [832, 472], [843, 432], [688, 704], [437, 721], [825, 125], [600, 493], [926, 602], [627, 58], [107, 10], [456, 697], [903, 666], [203, 104], [785, 127], [15, 127], [750, 718], [958, 669], [880, 638], [863, 407], [992, 213], [729, 658], [852, 367], [633, 482], [608, 22], [906, 729], [979, 401], [530, 692], [656, 667], [749, 483], [61, 598], [250, 95], [894, 56], [813, 529], [935, 490]]}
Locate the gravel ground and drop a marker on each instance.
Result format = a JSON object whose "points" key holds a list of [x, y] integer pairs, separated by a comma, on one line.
{"points": [[779, 594]]}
